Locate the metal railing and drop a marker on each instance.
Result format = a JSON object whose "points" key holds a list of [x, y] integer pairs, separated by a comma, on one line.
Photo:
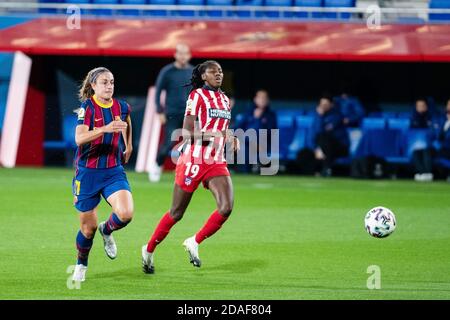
{"points": [[221, 12]]}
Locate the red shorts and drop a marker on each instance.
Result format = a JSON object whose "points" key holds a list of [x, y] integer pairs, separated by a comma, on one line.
{"points": [[189, 174]]}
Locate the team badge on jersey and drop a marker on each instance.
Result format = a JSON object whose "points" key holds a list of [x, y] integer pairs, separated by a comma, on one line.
{"points": [[81, 113], [187, 181], [189, 105]]}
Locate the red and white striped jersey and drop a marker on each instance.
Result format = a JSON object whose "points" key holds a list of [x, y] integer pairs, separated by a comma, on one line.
{"points": [[213, 111]]}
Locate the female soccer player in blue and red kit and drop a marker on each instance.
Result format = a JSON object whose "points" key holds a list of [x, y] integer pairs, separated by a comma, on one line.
{"points": [[103, 137], [202, 161]]}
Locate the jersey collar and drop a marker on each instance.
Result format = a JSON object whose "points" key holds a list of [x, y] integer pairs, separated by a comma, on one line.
{"points": [[206, 87], [109, 105]]}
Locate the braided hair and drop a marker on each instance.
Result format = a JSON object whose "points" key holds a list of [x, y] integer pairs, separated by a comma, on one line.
{"points": [[199, 70]]}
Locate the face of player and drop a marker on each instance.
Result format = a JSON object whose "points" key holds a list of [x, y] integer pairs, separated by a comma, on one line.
{"points": [[213, 76], [182, 55], [421, 106], [104, 86]]}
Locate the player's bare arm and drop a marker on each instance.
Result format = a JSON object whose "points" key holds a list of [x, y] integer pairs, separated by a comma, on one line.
{"points": [[83, 135]]}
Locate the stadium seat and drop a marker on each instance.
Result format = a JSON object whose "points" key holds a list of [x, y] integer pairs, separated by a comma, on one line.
{"points": [[218, 13], [83, 11], [302, 137], [276, 3], [190, 13], [439, 4], [384, 143], [161, 3], [399, 123], [48, 10], [131, 2], [104, 12], [285, 123], [388, 114], [338, 4], [373, 123], [68, 135], [355, 136], [308, 3], [417, 139], [6, 62], [4, 86], [246, 3]]}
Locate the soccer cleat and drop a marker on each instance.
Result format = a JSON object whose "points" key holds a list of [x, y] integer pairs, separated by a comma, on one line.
{"points": [[108, 241], [79, 274], [147, 261], [191, 247], [154, 174]]}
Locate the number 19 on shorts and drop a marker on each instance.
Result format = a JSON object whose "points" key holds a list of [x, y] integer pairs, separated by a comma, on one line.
{"points": [[191, 170]]}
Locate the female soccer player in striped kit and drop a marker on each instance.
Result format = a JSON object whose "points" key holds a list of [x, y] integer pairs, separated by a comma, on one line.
{"points": [[103, 137], [201, 161]]}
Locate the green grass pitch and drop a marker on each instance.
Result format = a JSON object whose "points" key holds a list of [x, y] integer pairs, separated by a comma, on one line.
{"points": [[287, 238]]}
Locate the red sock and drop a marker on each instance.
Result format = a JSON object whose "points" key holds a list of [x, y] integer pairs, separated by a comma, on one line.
{"points": [[161, 231], [215, 221]]}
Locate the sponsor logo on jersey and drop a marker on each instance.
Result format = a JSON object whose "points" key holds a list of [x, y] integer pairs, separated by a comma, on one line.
{"points": [[218, 113]]}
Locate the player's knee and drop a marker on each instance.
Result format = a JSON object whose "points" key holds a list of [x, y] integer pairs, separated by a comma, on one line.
{"points": [[88, 230], [176, 214], [125, 214], [225, 208]]}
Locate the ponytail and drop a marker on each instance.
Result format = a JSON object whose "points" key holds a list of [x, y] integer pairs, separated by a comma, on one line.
{"points": [[86, 90]]}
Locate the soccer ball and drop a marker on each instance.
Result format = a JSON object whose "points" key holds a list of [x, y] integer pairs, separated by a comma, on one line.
{"points": [[380, 222]]}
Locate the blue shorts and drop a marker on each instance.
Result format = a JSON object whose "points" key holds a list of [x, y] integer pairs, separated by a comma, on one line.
{"points": [[89, 185]]}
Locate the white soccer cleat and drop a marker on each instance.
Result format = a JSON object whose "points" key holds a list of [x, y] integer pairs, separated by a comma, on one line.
{"points": [[147, 261], [108, 241], [191, 247], [79, 274], [154, 174]]}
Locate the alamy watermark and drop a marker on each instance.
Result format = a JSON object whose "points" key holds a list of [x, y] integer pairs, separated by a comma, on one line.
{"points": [[374, 280], [73, 21], [71, 284], [373, 20], [259, 148]]}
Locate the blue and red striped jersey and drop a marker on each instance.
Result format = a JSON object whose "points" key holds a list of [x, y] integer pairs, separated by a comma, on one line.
{"points": [[106, 151]]}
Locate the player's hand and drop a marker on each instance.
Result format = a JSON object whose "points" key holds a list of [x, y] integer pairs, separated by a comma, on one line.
{"points": [[162, 118], [115, 126], [127, 154], [319, 155]]}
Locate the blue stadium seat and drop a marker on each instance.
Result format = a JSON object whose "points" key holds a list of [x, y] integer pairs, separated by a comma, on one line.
{"points": [[417, 139], [439, 4], [302, 136], [83, 11], [6, 62], [161, 3], [4, 86], [189, 13], [276, 3], [308, 3], [42, 10], [338, 4], [68, 135], [399, 123], [104, 12], [246, 3], [285, 123], [384, 143], [355, 135], [388, 114], [132, 12], [373, 123], [218, 13]]}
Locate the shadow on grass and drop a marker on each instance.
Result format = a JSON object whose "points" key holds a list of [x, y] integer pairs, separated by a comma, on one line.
{"points": [[241, 266]]}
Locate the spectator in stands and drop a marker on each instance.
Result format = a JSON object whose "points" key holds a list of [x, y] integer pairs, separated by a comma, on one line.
{"points": [[173, 79], [422, 118], [260, 116], [444, 137], [330, 137], [350, 108]]}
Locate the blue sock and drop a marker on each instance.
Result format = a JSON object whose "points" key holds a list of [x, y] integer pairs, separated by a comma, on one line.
{"points": [[113, 223], [84, 246]]}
